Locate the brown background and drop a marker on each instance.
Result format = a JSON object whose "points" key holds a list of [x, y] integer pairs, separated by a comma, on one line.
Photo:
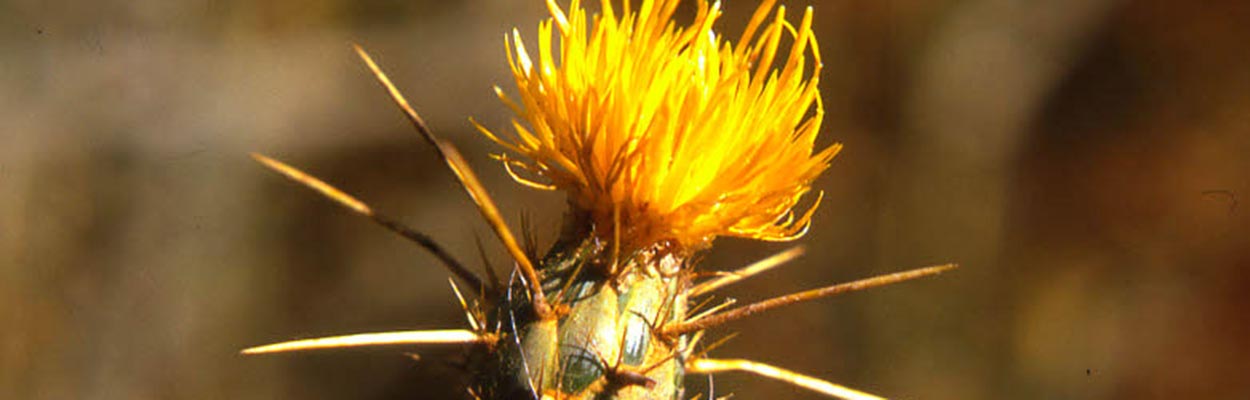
{"points": [[1084, 160]]}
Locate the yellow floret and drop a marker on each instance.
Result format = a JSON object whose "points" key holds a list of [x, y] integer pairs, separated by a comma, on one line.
{"points": [[669, 132]]}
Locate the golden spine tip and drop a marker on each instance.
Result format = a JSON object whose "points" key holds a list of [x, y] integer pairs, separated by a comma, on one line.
{"points": [[444, 336], [800, 297], [468, 180], [711, 366], [313, 183], [361, 208], [766, 264]]}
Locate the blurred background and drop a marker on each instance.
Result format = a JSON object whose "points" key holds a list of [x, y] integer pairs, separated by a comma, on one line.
{"points": [[1085, 161]]}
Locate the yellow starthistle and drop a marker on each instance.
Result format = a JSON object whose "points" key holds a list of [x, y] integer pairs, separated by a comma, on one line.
{"points": [[663, 136], [669, 132]]}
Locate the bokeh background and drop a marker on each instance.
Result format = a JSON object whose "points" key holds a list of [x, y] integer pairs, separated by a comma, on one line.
{"points": [[1087, 162]]}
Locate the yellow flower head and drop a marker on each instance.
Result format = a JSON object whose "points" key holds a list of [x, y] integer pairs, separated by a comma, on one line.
{"points": [[669, 132]]}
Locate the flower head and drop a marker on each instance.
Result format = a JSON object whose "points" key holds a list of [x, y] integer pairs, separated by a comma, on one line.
{"points": [[669, 132]]}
